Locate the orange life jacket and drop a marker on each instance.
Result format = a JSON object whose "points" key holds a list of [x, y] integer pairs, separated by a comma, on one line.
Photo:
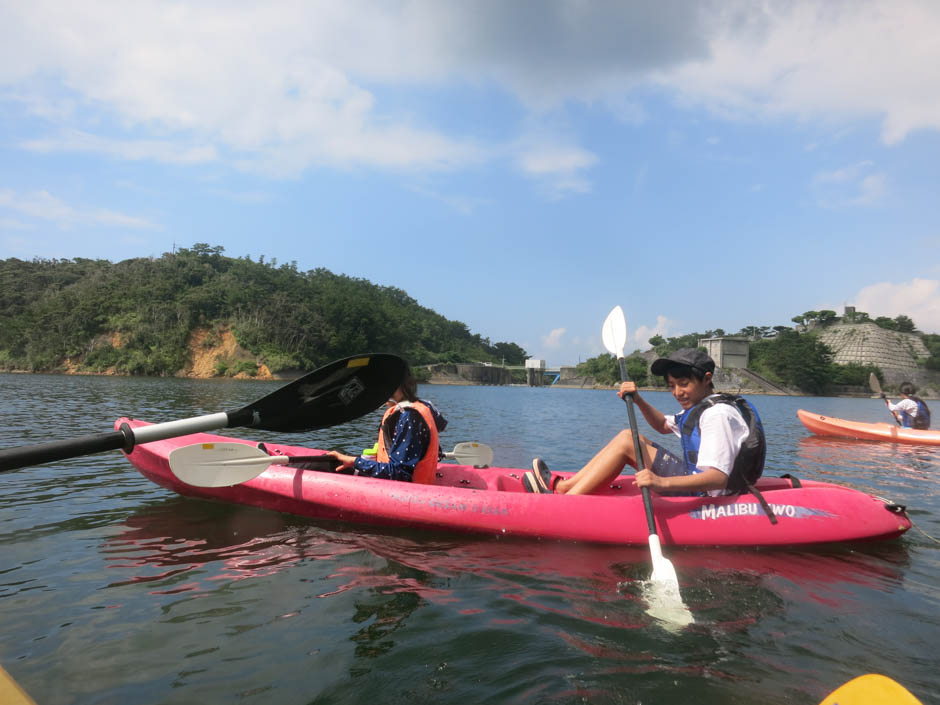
{"points": [[427, 465]]}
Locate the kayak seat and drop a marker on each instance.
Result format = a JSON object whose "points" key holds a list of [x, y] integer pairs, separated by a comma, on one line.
{"points": [[456, 476], [510, 483]]}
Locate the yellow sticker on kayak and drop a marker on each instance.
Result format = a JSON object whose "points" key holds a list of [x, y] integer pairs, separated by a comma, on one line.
{"points": [[208, 446], [358, 362]]}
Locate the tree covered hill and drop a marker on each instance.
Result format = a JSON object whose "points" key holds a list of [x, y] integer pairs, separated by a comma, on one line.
{"points": [[139, 316]]}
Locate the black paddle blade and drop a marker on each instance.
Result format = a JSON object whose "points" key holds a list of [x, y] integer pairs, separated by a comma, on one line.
{"points": [[333, 394]]}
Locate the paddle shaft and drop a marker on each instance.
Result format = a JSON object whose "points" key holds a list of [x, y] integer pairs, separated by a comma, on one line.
{"points": [[875, 385], [637, 449], [333, 394], [123, 439]]}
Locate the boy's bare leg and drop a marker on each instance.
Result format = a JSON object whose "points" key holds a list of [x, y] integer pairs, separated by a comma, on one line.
{"points": [[607, 464]]}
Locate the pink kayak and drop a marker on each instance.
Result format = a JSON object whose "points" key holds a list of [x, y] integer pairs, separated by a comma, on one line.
{"points": [[843, 428], [492, 501]]}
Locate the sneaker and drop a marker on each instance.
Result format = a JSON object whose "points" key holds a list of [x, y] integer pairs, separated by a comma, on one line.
{"points": [[531, 484], [542, 474]]}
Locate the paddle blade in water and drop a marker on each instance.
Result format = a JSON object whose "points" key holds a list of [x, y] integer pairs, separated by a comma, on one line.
{"points": [[662, 589], [664, 604], [333, 394]]}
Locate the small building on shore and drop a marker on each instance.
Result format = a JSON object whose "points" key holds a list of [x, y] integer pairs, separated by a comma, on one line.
{"points": [[728, 352]]}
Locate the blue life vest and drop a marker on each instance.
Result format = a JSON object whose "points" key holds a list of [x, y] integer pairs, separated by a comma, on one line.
{"points": [[749, 463], [921, 421]]}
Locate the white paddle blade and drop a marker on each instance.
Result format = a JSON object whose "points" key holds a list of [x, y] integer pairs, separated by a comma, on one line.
{"points": [[471, 453], [874, 383], [614, 332], [220, 464], [663, 597]]}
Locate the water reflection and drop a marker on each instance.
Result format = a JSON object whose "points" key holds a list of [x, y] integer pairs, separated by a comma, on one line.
{"points": [[902, 473], [183, 545], [819, 452], [126, 592]]}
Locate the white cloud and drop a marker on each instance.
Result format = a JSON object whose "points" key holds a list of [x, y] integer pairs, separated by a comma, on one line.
{"points": [[11, 224], [555, 160], [45, 206], [133, 150], [269, 88], [918, 298], [253, 197], [843, 175], [465, 205], [642, 334], [852, 185], [553, 339], [557, 166], [832, 60], [281, 87]]}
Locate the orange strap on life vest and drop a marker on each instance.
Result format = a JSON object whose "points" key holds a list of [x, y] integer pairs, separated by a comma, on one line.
{"points": [[427, 465]]}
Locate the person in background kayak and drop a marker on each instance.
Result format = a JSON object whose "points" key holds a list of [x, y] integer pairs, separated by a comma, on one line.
{"points": [[911, 411], [408, 448], [722, 439]]}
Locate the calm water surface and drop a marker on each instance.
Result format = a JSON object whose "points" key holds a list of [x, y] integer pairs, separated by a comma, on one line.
{"points": [[113, 590]]}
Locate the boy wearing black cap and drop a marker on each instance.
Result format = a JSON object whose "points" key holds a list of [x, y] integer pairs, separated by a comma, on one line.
{"points": [[722, 438]]}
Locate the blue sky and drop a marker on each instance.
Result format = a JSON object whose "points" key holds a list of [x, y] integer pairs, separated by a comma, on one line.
{"points": [[522, 167]]}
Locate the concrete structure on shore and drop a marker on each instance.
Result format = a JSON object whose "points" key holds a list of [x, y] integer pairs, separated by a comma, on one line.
{"points": [[728, 352], [869, 344], [894, 352]]}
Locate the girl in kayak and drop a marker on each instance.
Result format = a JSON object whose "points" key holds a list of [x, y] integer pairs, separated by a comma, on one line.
{"points": [[408, 448], [911, 411], [722, 438]]}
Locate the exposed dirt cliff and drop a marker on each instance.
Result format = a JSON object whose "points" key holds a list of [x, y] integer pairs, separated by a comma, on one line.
{"points": [[211, 349]]}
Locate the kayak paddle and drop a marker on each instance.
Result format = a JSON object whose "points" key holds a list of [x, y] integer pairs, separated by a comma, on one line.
{"points": [[669, 603], [471, 453], [876, 388], [225, 464], [333, 394], [871, 689], [10, 691]]}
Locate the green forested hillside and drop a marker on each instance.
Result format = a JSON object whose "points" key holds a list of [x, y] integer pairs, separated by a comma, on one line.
{"points": [[137, 316], [790, 357]]}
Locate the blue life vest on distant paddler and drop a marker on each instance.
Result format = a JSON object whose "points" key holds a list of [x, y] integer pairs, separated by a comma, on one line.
{"points": [[749, 463], [921, 421]]}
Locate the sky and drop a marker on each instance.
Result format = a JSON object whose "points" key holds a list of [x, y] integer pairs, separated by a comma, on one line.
{"points": [[522, 167]]}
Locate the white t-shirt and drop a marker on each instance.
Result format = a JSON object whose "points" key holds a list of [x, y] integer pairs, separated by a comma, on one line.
{"points": [[909, 406], [723, 431]]}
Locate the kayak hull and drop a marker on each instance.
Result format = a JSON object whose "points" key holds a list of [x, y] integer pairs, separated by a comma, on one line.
{"points": [[492, 501], [843, 428]]}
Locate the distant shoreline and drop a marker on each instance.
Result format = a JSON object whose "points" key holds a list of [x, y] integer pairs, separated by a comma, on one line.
{"points": [[464, 383], [597, 387]]}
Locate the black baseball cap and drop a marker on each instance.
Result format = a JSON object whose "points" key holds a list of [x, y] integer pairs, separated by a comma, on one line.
{"points": [[687, 357]]}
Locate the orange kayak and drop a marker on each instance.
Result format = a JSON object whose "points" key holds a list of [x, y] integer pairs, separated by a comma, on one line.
{"points": [[842, 428]]}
